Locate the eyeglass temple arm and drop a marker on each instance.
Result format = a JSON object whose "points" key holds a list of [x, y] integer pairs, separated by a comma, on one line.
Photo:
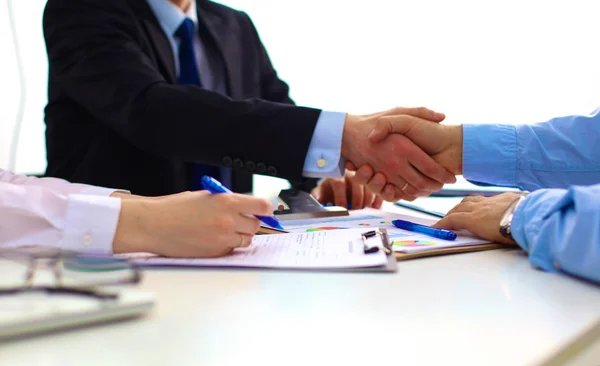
{"points": [[63, 291], [30, 275], [57, 271]]}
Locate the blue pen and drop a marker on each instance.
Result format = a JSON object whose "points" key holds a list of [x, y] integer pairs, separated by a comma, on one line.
{"points": [[214, 186], [436, 233]]}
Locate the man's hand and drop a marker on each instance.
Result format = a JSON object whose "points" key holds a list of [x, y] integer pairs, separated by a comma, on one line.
{"points": [[344, 191], [480, 215], [400, 159], [189, 224], [442, 142], [376, 183]]}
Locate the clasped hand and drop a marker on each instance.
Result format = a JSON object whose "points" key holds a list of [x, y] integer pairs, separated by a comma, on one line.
{"points": [[402, 146]]}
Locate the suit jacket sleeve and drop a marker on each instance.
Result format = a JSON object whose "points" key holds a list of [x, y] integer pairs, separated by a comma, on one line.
{"points": [[95, 52]]}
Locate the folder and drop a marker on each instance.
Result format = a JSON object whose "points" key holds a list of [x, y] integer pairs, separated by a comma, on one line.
{"points": [[465, 243], [447, 251]]}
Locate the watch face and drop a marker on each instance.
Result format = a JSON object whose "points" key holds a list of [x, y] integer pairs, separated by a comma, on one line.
{"points": [[505, 231]]}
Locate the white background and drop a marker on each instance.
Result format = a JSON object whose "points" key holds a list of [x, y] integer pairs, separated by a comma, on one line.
{"points": [[477, 61]]}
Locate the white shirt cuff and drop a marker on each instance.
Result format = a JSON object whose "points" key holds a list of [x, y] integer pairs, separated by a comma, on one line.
{"points": [[91, 223], [323, 159]]}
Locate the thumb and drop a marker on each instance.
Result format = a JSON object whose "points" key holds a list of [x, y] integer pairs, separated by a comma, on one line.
{"points": [[350, 166], [388, 125], [453, 221], [443, 224], [316, 193]]}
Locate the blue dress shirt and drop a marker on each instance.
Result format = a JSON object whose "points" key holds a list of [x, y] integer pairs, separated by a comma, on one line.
{"points": [[558, 227], [326, 144]]}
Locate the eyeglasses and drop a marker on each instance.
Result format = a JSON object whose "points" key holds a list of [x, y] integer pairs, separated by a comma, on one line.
{"points": [[63, 272]]}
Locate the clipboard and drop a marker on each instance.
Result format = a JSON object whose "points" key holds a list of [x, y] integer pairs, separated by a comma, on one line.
{"points": [[390, 267], [447, 251], [337, 251], [392, 263]]}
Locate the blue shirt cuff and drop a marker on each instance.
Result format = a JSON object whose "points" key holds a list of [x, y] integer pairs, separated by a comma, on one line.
{"points": [[527, 224], [323, 159], [490, 154]]}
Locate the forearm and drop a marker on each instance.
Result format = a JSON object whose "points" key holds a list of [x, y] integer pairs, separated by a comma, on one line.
{"points": [[209, 126], [554, 154], [132, 227], [560, 229], [33, 215], [57, 185]]}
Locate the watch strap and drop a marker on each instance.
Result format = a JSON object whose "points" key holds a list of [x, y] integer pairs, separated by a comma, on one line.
{"points": [[506, 220]]}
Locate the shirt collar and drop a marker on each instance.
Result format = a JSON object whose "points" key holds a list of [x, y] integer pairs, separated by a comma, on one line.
{"points": [[170, 16]]}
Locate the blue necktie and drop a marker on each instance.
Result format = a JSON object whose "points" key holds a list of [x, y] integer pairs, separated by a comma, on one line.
{"points": [[189, 75]]}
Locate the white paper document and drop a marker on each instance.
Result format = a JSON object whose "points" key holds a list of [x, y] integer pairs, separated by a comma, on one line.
{"points": [[402, 240], [304, 250]]}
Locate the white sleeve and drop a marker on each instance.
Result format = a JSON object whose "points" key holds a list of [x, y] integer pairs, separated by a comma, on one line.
{"points": [[34, 215], [56, 185]]}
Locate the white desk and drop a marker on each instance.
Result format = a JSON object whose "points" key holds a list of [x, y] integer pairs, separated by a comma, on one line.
{"points": [[487, 308]]}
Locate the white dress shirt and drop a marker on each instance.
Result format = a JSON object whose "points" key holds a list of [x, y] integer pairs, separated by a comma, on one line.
{"points": [[53, 212]]}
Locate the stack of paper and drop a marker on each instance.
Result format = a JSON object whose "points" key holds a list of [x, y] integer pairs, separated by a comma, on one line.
{"points": [[302, 250], [329, 243]]}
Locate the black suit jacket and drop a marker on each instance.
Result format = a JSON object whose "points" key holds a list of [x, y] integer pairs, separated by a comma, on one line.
{"points": [[116, 118]]}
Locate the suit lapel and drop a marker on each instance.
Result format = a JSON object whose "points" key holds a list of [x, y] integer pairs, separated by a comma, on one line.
{"points": [[158, 39], [221, 34], [163, 49]]}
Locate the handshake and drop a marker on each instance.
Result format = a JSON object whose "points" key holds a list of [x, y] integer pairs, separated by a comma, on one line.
{"points": [[402, 153]]}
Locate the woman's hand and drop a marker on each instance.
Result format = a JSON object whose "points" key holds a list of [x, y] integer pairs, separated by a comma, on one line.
{"points": [[189, 224]]}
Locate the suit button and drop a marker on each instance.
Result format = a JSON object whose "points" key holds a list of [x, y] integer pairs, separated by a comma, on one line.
{"points": [[250, 166], [238, 163], [261, 168], [271, 170], [227, 161]]}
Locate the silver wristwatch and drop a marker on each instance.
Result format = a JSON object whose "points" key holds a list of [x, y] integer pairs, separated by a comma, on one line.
{"points": [[507, 218]]}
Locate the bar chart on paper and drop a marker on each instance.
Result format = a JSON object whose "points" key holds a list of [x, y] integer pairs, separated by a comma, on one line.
{"points": [[324, 228], [350, 222]]}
